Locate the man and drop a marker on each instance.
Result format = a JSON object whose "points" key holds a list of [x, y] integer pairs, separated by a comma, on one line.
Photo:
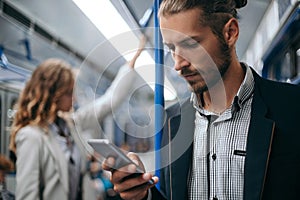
{"points": [[238, 139]]}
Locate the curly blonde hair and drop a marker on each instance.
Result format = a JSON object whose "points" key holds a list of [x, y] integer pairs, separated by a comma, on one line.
{"points": [[37, 104]]}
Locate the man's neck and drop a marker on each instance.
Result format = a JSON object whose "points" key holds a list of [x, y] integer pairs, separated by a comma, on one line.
{"points": [[218, 98]]}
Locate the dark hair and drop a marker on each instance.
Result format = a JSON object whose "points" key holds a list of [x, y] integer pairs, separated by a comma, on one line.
{"points": [[214, 13], [240, 3], [169, 7]]}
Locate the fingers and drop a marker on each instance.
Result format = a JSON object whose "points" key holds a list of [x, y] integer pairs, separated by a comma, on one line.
{"points": [[135, 158], [127, 182], [135, 188], [134, 193], [108, 164], [126, 172]]}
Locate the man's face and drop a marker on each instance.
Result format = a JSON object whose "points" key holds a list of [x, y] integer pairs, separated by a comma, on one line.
{"points": [[198, 53]]}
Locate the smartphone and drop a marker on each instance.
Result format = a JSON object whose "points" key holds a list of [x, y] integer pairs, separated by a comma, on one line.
{"points": [[108, 149]]}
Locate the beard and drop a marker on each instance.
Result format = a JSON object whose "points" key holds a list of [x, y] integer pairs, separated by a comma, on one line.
{"points": [[200, 87]]}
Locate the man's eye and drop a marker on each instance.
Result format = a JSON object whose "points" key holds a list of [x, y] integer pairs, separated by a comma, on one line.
{"points": [[190, 45]]}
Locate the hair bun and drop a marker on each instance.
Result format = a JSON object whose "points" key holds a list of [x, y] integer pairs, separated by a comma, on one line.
{"points": [[240, 3]]}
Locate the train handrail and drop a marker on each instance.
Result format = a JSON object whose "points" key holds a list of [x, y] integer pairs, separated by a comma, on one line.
{"points": [[21, 73]]}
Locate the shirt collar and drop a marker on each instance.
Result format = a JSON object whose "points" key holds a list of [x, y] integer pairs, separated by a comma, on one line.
{"points": [[246, 89]]}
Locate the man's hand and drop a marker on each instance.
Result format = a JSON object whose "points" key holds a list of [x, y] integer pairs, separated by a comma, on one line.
{"points": [[129, 184]]}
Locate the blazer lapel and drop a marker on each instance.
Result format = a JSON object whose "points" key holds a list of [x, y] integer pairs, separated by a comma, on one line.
{"points": [[181, 150], [258, 148]]}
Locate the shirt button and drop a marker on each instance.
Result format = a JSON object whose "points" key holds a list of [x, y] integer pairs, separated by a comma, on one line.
{"points": [[214, 156]]}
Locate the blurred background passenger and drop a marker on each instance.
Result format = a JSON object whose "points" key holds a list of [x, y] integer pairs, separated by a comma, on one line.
{"points": [[5, 166], [48, 162], [100, 181]]}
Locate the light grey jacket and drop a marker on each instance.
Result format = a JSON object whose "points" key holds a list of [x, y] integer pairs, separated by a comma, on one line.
{"points": [[40, 163]]}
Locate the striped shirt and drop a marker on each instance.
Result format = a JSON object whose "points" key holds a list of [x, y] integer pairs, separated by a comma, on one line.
{"points": [[220, 147]]}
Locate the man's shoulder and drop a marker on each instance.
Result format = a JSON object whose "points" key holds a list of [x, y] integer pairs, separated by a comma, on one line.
{"points": [[275, 88], [281, 99]]}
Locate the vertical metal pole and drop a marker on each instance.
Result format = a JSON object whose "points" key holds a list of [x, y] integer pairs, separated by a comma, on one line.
{"points": [[159, 90]]}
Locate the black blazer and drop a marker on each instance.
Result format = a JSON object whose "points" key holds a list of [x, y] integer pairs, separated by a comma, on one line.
{"points": [[272, 165]]}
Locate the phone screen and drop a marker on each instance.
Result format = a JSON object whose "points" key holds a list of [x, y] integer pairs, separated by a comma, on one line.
{"points": [[107, 149]]}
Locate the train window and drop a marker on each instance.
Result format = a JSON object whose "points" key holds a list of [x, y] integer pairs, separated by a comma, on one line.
{"points": [[298, 61], [1, 121], [11, 113], [283, 67], [282, 7], [287, 69], [272, 72], [281, 62]]}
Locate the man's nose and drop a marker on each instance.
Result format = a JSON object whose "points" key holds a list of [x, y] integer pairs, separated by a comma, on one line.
{"points": [[180, 62]]}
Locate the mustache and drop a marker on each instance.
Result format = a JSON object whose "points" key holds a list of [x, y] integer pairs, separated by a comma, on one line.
{"points": [[186, 71]]}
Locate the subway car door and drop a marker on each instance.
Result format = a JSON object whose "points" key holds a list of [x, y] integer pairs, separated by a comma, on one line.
{"points": [[2, 144], [11, 100]]}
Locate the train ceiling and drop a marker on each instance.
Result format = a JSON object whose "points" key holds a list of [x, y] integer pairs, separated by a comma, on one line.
{"points": [[33, 30]]}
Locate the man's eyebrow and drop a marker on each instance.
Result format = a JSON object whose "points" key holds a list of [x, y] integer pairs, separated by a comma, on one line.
{"points": [[186, 39], [193, 38]]}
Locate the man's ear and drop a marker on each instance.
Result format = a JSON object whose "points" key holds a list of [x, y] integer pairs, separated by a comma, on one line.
{"points": [[231, 32]]}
